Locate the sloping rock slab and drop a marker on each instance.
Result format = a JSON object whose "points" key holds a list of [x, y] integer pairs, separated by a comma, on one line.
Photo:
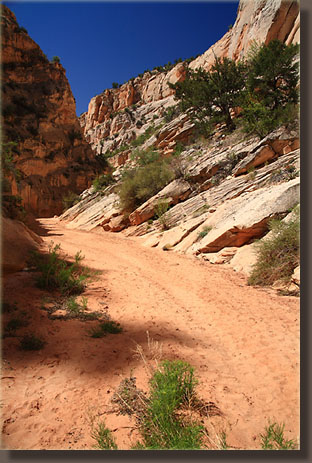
{"points": [[238, 221], [176, 191], [175, 235], [92, 212], [269, 148]]}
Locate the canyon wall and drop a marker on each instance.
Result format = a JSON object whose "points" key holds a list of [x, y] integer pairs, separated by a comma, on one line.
{"points": [[119, 115], [39, 115]]}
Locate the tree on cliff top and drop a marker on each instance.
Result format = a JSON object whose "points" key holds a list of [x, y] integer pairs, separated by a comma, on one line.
{"points": [[212, 95]]}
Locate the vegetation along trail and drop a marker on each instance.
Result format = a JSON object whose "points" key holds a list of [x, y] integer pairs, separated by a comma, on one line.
{"points": [[242, 341]]}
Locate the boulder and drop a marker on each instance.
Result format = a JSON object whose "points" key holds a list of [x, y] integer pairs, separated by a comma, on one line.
{"points": [[17, 243]]}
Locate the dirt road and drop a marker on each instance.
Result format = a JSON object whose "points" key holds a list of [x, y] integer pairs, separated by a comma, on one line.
{"points": [[242, 341]]}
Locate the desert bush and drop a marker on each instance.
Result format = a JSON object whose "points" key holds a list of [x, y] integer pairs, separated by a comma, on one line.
{"points": [[278, 255], [104, 328], [204, 232], [103, 181], [103, 437], [141, 183], [56, 59], [172, 386], [273, 438], [172, 112], [144, 136], [57, 273], [74, 307], [161, 209]]}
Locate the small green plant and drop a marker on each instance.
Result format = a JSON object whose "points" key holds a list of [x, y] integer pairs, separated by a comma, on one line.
{"points": [[57, 273], [74, 307], [115, 85], [31, 342], [172, 386], [103, 181], [179, 148], [104, 328], [103, 437], [273, 438], [56, 59], [223, 443], [161, 209], [278, 256], [204, 232]]}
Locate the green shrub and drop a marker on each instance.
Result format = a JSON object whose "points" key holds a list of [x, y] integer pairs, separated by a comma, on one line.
{"points": [[179, 148], [57, 273], [204, 232], [104, 328], [103, 181], [144, 136], [172, 112], [115, 85], [278, 255], [56, 59], [161, 208], [141, 183], [74, 307], [274, 439], [172, 386], [103, 437], [212, 95], [31, 342]]}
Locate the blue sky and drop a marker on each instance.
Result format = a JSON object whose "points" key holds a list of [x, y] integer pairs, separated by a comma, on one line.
{"points": [[104, 42]]}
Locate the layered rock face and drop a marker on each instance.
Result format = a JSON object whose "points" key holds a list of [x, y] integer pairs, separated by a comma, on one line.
{"points": [[117, 116], [257, 21], [39, 115], [225, 191]]}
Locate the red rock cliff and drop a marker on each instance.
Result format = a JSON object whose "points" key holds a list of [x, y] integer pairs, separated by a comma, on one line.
{"points": [[39, 115]]}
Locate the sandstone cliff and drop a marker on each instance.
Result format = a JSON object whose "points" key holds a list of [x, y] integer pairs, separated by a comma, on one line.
{"points": [[117, 116], [39, 115], [226, 190]]}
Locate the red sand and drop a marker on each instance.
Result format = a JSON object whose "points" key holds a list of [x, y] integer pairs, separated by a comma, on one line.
{"points": [[242, 341]]}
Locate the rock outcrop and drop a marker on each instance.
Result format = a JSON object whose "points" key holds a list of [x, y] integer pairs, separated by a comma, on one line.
{"points": [[257, 21], [39, 115], [17, 242], [226, 190], [117, 116]]}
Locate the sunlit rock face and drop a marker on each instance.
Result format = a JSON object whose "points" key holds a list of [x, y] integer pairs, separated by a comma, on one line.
{"points": [[113, 117], [39, 114]]}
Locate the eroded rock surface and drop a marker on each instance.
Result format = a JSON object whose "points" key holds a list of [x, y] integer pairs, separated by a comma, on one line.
{"points": [[39, 114]]}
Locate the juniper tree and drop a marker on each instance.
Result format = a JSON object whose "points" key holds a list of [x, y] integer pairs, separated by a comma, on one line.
{"points": [[272, 87], [212, 95]]}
